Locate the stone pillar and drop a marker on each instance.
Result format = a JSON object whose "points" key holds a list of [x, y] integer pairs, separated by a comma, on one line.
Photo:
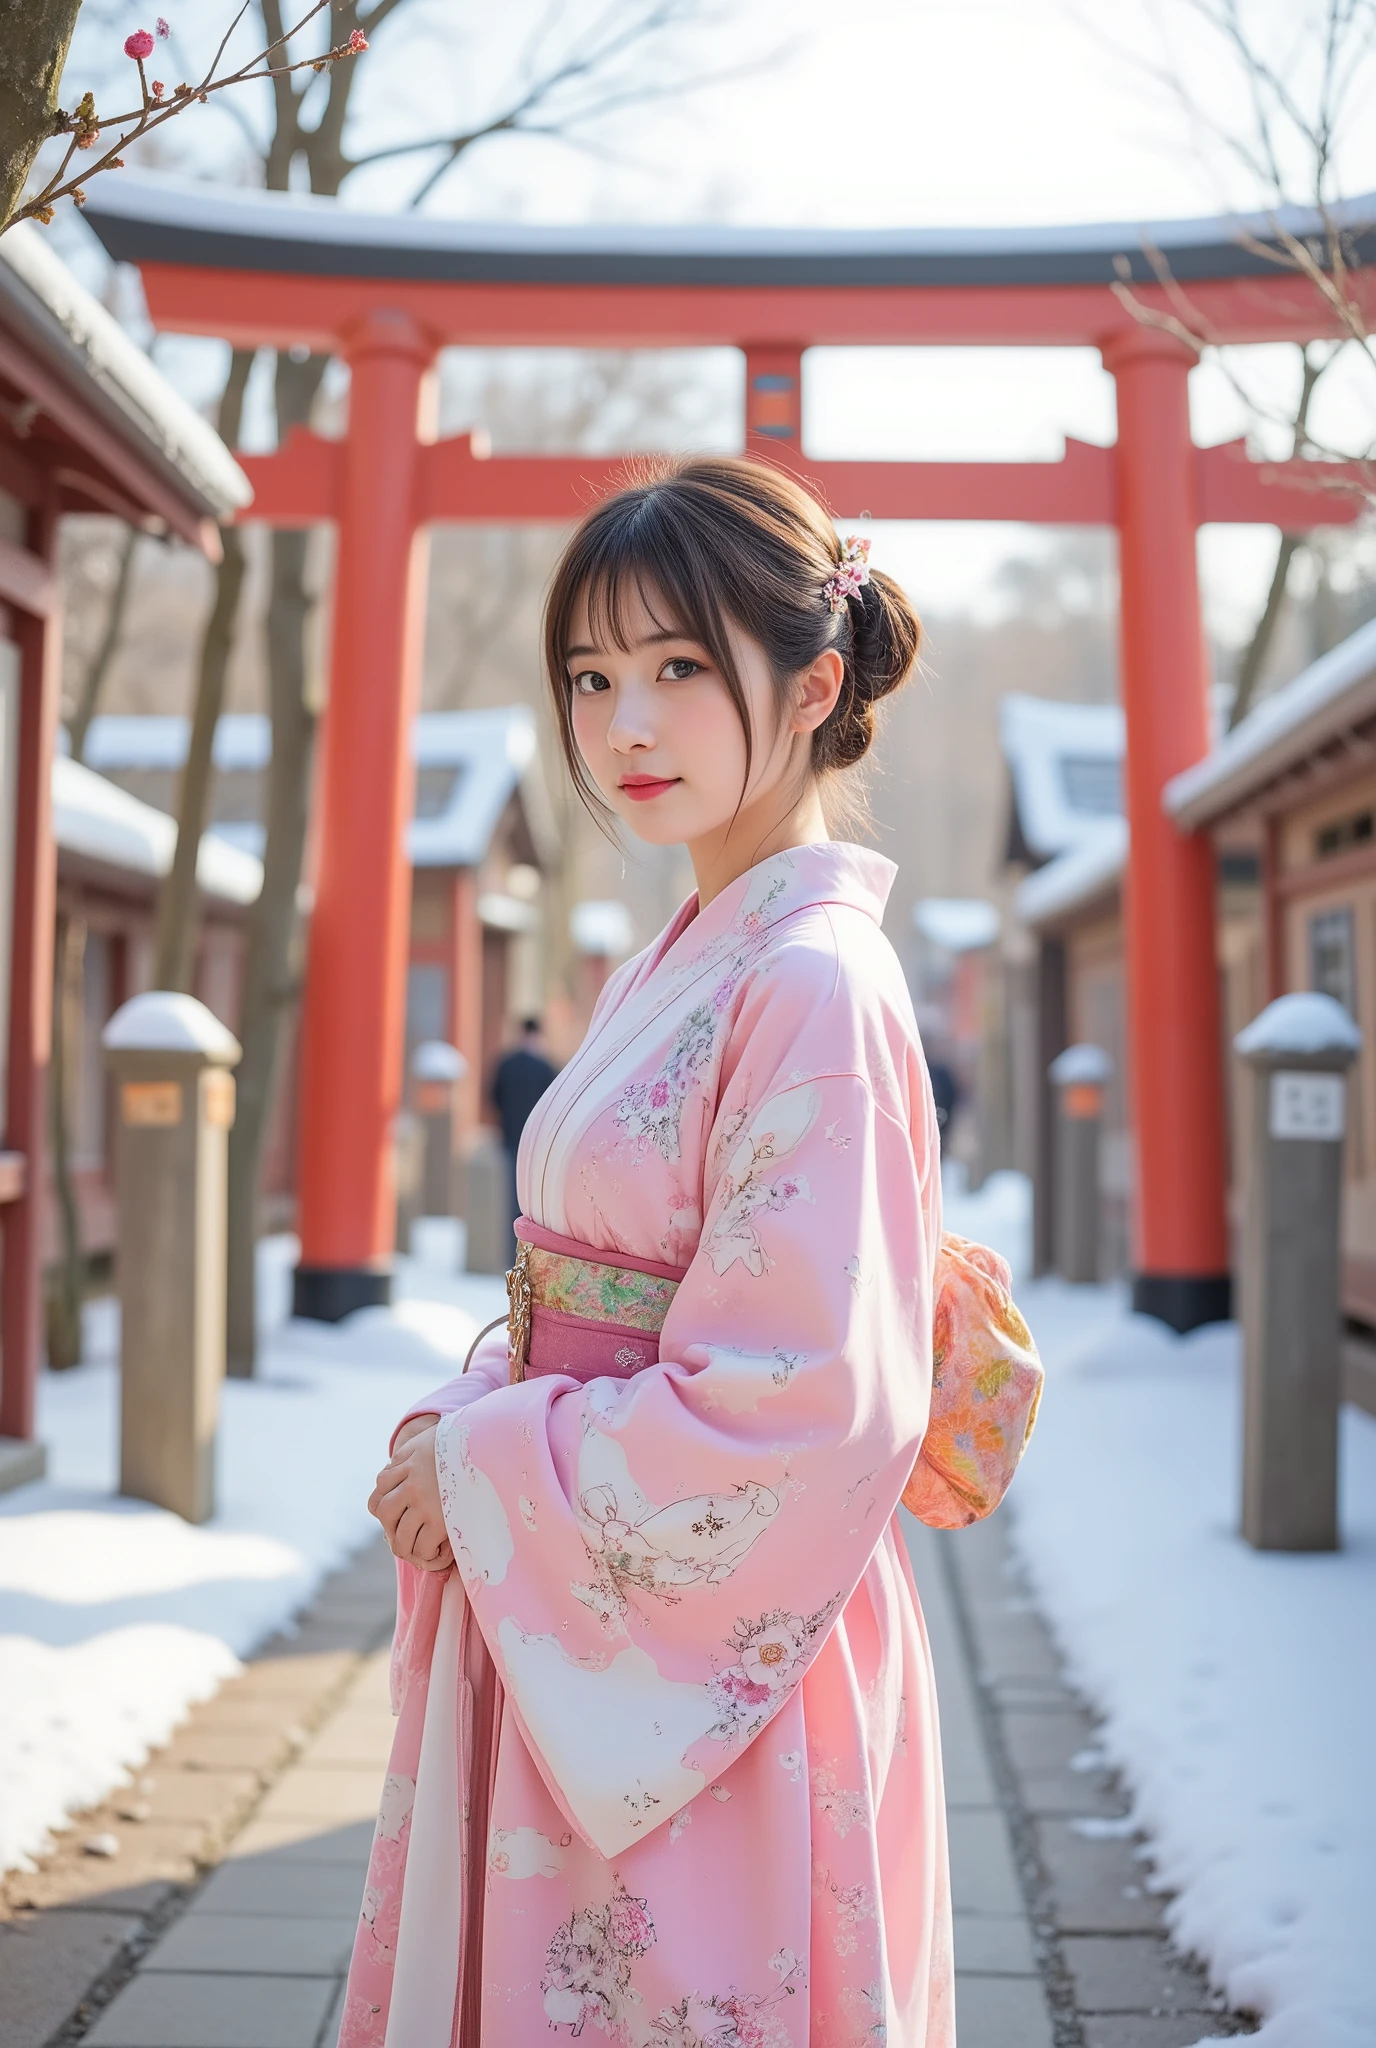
{"points": [[436, 1071], [174, 1099], [486, 1201], [1079, 1076], [1297, 1053]]}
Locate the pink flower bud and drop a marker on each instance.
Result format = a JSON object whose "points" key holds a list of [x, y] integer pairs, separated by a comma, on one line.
{"points": [[163, 30], [358, 41], [139, 44], [158, 88]]}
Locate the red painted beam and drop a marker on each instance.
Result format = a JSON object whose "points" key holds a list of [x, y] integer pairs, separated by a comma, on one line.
{"points": [[1076, 491], [1295, 496], [299, 486], [255, 308]]}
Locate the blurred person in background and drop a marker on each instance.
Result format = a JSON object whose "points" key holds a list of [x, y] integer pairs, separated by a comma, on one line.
{"points": [[519, 1079]]}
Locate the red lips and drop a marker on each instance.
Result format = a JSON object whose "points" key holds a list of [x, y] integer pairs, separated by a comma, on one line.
{"points": [[640, 788]]}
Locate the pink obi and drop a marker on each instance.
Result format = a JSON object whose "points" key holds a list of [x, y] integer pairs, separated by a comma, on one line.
{"points": [[580, 1310]]}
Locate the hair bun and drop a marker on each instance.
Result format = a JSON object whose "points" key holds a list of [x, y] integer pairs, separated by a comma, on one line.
{"points": [[884, 641]]}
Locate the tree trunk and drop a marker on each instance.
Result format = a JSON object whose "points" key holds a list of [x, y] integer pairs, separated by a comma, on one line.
{"points": [[34, 39], [176, 937], [94, 681], [273, 970], [1259, 646], [1264, 632], [66, 1288]]}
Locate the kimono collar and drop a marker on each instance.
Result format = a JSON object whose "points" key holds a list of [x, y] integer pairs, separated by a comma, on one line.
{"points": [[833, 871]]}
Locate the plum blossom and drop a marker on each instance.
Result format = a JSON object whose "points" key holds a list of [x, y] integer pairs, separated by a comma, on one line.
{"points": [[164, 31], [358, 41], [139, 44]]}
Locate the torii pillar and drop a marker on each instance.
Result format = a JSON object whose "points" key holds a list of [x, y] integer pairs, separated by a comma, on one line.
{"points": [[353, 1019], [1180, 1252]]}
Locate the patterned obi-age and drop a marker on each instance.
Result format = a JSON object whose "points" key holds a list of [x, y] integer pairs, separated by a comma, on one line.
{"points": [[580, 1310]]}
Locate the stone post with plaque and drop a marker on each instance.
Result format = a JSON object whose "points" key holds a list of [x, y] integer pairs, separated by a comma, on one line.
{"points": [[1079, 1076], [170, 1062], [1297, 1053]]}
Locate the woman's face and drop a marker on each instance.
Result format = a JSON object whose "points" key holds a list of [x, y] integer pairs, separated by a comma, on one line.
{"points": [[661, 737]]}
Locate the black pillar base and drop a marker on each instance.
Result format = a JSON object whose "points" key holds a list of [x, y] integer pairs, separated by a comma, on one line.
{"points": [[326, 1294], [1183, 1300]]}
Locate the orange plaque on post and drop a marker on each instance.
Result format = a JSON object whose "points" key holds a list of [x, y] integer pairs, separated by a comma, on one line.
{"points": [[151, 1102], [219, 1099], [1083, 1099], [433, 1097]]}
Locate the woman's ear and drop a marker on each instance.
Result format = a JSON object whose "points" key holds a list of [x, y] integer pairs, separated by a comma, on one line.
{"points": [[818, 689]]}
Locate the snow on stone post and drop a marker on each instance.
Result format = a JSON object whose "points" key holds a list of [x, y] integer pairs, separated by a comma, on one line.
{"points": [[170, 1060], [1297, 1053], [1079, 1076]]}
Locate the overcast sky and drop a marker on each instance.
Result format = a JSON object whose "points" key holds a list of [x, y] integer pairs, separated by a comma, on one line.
{"points": [[910, 112]]}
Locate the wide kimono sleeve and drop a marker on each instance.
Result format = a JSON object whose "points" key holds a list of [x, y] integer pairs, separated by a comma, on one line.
{"points": [[654, 1562]]}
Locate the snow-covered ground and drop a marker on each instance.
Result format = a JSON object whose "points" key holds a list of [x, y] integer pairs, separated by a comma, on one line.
{"points": [[115, 1616], [1238, 1689]]}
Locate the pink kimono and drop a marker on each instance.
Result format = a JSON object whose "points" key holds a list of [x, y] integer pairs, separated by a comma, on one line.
{"points": [[678, 1694]]}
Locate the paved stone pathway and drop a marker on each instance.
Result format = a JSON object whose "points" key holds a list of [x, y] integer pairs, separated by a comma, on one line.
{"points": [[1037, 1819], [271, 1789]]}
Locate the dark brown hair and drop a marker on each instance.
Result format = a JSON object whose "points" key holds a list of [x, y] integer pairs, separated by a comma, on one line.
{"points": [[712, 539]]}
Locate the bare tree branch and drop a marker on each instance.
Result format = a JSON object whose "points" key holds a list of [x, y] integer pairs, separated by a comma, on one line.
{"points": [[86, 124]]}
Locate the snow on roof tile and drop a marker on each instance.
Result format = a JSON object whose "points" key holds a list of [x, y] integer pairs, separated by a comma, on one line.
{"points": [[1323, 701], [178, 220], [96, 818], [1075, 878], [491, 751], [75, 326], [1063, 760]]}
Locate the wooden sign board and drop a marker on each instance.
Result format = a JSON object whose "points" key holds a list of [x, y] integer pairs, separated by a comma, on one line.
{"points": [[151, 1102]]}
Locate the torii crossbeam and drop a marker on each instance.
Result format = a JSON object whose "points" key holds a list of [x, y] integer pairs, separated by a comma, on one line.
{"points": [[387, 294]]}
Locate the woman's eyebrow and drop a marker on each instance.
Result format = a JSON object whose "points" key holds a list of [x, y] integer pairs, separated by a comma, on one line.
{"points": [[650, 640]]}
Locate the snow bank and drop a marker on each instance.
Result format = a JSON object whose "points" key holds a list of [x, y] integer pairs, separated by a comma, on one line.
{"points": [[115, 1617], [999, 1214], [1236, 1688]]}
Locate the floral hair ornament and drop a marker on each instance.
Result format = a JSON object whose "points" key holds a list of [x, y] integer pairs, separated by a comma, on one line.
{"points": [[853, 574]]}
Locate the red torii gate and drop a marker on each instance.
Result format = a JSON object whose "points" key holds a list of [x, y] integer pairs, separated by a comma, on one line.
{"points": [[388, 294]]}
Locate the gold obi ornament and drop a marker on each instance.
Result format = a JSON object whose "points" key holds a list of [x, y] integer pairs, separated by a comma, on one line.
{"points": [[580, 1294]]}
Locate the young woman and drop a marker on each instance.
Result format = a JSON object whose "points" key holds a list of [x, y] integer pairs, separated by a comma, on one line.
{"points": [[667, 1769]]}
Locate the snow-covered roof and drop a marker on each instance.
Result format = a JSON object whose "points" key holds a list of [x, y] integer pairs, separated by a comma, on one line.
{"points": [[77, 335], [96, 818], [162, 219], [490, 753], [1079, 877], [132, 740], [1065, 761], [1324, 701], [957, 924]]}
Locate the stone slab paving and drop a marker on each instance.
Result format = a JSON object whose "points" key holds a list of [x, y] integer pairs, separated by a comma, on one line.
{"points": [[1110, 1976], [147, 1949], [227, 1919]]}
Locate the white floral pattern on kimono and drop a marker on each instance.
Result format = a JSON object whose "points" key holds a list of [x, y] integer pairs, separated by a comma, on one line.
{"points": [[662, 1569]]}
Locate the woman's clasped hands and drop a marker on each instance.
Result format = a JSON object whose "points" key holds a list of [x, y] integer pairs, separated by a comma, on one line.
{"points": [[406, 1499]]}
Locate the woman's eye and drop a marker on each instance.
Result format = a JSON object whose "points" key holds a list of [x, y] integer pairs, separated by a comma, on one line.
{"points": [[588, 682], [680, 668]]}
